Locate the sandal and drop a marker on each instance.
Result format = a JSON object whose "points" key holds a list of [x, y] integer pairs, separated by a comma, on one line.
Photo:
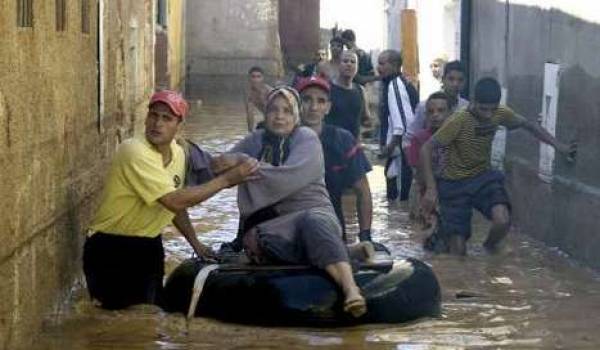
{"points": [[356, 307]]}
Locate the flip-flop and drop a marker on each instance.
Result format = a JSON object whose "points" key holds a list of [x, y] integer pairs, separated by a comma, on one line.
{"points": [[356, 307]]}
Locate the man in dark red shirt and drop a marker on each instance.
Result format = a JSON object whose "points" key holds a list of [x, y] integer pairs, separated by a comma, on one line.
{"points": [[346, 165]]}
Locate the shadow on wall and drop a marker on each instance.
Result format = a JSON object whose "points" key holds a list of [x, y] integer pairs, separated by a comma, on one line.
{"points": [[579, 106]]}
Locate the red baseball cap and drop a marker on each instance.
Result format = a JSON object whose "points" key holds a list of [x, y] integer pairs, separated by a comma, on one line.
{"points": [[316, 81], [173, 99]]}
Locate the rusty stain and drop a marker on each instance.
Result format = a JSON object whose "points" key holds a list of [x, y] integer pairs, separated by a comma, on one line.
{"points": [[6, 111]]}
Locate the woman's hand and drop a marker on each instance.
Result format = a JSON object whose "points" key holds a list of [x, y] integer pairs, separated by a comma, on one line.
{"points": [[245, 171], [226, 161]]}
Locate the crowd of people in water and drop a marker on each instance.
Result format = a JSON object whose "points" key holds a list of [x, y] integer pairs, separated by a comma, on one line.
{"points": [[303, 152]]}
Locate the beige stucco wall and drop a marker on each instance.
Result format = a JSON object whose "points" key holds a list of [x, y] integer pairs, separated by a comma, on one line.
{"points": [[54, 147]]}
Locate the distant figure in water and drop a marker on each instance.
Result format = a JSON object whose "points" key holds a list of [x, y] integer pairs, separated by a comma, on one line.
{"points": [[330, 69], [437, 110], [437, 68], [366, 72], [313, 68], [256, 93]]}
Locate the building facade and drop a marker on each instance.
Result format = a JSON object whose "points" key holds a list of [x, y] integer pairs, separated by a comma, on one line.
{"points": [[438, 34], [224, 39], [75, 76]]}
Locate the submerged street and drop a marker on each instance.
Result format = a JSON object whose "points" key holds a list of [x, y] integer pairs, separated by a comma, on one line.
{"points": [[529, 296]]}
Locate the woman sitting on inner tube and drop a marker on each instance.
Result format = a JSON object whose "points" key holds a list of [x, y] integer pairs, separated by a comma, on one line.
{"points": [[286, 214]]}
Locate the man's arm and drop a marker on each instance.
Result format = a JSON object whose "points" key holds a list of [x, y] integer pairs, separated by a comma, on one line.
{"points": [[187, 197], [365, 117], [543, 135], [418, 175], [226, 161], [418, 122], [249, 115], [388, 150], [364, 203], [184, 225], [426, 160]]}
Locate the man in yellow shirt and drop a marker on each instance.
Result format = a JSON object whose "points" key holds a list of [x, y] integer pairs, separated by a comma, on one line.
{"points": [[123, 258], [467, 180]]}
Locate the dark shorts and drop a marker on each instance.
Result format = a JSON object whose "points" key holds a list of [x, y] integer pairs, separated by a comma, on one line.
{"points": [[121, 270], [457, 198]]}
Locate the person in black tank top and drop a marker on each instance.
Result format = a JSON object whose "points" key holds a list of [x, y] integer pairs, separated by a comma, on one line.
{"points": [[348, 103]]}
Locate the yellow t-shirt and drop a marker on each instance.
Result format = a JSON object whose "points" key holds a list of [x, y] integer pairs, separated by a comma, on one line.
{"points": [[137, 178], [469, 141]]}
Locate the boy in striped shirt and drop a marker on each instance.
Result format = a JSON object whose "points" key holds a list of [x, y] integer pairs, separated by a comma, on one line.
{"points": [[467, 180]]}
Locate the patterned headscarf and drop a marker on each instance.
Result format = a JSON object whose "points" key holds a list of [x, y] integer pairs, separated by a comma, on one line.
{"points": [[291, 95], [276, 148]]}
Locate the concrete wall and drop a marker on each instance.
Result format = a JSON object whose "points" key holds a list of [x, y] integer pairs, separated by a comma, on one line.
{"points": [[393, 11], [54, 144], [439, 36], [511, 40], [224, 39]]}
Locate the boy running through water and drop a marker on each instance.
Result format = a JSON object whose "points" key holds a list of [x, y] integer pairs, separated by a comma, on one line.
{"points": [[467, 180], [437, 110]]}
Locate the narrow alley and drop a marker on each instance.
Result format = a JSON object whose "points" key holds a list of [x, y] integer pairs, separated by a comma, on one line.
{"points": [[528, 297], [77, 82]]}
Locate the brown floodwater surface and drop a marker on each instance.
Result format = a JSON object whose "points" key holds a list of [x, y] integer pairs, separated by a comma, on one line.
{"points": [[527, 297]]}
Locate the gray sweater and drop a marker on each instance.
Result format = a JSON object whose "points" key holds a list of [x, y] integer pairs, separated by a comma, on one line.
{"points": [[297, 185]]}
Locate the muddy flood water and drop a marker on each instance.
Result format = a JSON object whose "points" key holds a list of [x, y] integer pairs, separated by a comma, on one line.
{"points": [[527, 297]]}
